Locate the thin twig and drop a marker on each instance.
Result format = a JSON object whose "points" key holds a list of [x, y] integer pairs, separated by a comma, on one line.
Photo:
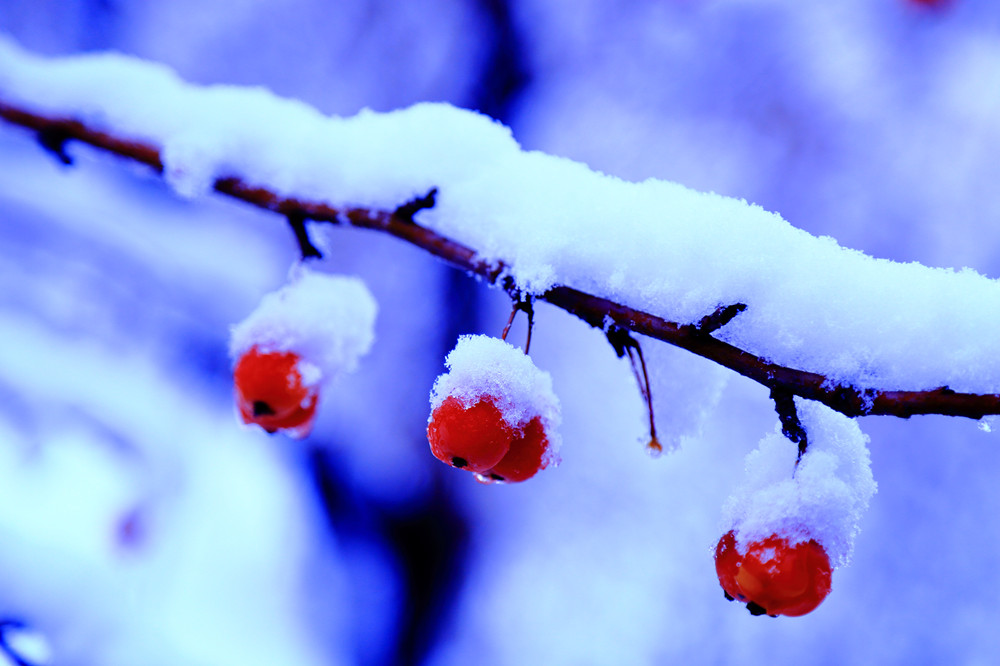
{"points": [[596, 311]]}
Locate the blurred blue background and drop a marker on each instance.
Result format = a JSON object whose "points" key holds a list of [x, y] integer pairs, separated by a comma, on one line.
{"points": [[140, 524]]}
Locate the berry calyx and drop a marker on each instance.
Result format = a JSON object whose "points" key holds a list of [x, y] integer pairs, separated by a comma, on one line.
{"points": [[270, 392], [526, 456], [773, 576], [474, 438]]}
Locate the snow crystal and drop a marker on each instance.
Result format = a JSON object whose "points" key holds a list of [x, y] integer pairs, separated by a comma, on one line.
{"points": [[822, 498], [653, 245], [481, 365], [328, 320]]}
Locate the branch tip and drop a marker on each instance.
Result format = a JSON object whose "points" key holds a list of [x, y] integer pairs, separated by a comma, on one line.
{"points": [[722, 316], [53, 140], [406, 211], [306, 248]]}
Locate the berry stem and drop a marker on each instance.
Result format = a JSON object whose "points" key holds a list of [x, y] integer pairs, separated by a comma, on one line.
{"points": [[510, 321], [642, 377], [624, 344], [529, 308], [524, 303], [791, 426]]}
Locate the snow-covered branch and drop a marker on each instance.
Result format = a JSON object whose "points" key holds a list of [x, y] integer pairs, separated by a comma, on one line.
{"points": [[596, 311], [715, 276]]}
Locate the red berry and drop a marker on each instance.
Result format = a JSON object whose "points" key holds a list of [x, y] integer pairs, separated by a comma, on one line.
{"points": [[270, 393], [474, 438], [774, 577], [727, 563], [525, 457]]}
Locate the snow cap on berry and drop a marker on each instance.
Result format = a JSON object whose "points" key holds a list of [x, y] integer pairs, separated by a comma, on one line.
{"points": [[822, 498], [328, 320], [482, 366]]}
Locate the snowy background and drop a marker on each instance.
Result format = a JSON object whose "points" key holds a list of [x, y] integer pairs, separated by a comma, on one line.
{"points": [[139, 524]]}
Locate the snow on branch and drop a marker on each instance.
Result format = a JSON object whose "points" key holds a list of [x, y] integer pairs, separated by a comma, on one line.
{"points": [[716, 276]]}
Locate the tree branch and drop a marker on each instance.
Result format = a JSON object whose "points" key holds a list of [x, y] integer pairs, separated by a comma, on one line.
{"points": [[596, 311]]}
